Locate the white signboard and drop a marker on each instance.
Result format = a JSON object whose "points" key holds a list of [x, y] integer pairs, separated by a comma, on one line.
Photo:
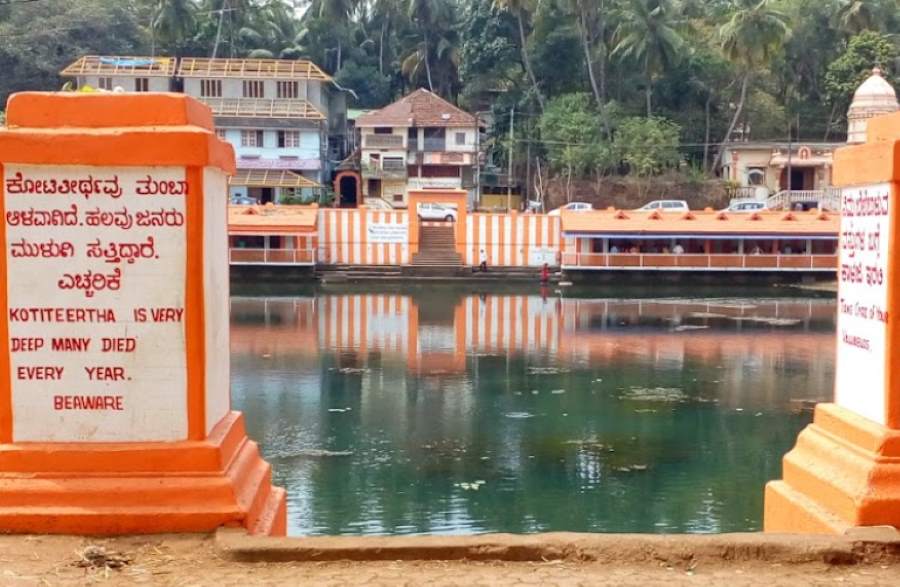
{"points": [[541, 255], [384, 233], [862, 300], [96, 266]]}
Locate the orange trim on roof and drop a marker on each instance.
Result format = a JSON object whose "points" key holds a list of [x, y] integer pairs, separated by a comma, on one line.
{"points": [[106, 110], [272, 220], [707, 222]]}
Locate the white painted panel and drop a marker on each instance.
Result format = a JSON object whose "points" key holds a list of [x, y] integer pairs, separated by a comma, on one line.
{"points": [[215, 293], [866, 215], [96, 238]]}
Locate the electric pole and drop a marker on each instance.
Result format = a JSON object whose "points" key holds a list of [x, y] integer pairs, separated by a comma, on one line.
{"points": [[509, 172]]}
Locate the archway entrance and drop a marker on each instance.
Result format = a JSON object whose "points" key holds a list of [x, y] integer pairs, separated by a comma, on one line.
{"points": [[347, 189]]}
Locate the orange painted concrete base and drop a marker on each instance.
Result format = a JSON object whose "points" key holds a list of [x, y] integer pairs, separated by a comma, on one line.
{"points": [[144, 488], [844, 472]]}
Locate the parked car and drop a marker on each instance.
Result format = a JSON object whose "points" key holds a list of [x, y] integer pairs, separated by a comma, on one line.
{"points": [[430, 211], [243, 201], [746, 206], [571, 207], [377, 204], [666, 206]]}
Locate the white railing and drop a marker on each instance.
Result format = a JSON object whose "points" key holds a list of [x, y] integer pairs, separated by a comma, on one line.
{"points": [[827, 199], [699, 262], [419, 183], [238, 256], [383, 141]]}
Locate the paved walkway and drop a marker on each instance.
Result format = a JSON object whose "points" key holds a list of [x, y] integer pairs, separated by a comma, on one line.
{"points": [[192, 560]]}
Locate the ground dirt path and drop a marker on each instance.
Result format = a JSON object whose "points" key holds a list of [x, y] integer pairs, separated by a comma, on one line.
{"points": [[194, 560]]}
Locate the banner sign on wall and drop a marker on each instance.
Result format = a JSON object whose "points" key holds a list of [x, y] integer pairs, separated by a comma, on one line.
{"points": [[383, 233]]}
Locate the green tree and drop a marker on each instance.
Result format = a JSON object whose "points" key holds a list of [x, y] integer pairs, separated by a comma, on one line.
{"points": [[751, 38], [592, 17], [856, 16], [521, 9], [174, 23], [36, 44], [573, 139], [864, 51], [647, 34], [647, 145]]}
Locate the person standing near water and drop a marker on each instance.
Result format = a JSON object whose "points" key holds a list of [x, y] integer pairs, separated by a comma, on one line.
{"points": [[545, 273], [482, 261]]}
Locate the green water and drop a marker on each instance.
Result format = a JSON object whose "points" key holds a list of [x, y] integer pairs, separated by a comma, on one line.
{"points": [[390, 412]]}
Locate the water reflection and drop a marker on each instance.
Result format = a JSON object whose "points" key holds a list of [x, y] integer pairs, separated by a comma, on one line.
{"points": [[449, 412]]}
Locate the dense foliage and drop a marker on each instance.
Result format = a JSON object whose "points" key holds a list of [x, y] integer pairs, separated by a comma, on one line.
{"points": [[588, 80]]}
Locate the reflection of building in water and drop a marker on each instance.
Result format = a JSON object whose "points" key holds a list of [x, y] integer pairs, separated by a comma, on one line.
{"points": [[758, 343], [364, 323], [511, 324], [433, 339]]}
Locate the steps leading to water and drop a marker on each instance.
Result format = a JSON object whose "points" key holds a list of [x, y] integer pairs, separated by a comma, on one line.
{"points": [[437, 247]]}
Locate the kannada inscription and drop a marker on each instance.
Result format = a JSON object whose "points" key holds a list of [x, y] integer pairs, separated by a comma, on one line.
{"points": [[95, 292], [862, 305]]}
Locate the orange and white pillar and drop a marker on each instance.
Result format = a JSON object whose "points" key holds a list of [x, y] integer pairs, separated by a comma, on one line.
{"points": [[115, 409], [844, 471]]}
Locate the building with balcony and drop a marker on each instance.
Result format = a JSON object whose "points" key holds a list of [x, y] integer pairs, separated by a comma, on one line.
{"points": [[789, 175], [286, 119], [419, 142]]}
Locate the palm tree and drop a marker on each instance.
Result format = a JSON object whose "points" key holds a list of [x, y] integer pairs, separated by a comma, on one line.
{"points": [[590, 16], [855, 16], [388, 12], [272, 30], [173, 22], [338, 14], [648, 35], [426, 16], [521, 8], [753, 35]]}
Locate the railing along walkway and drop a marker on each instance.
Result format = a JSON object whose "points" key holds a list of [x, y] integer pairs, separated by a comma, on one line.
{"points": [[699, 262], [299, 257]]}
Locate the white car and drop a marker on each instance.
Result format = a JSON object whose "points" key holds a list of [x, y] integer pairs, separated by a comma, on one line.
{"points": [[429, 211], [571, 207], [665, 206], [746, 206], [243, 201], [377, 204]]}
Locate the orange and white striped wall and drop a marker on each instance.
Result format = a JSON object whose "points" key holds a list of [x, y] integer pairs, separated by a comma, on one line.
{"points": [[513, 240], [362, 322], [389, 324], [374, 237], [362, 237], [511, 324]]}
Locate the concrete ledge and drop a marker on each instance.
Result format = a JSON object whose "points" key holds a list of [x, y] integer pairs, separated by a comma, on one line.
{"points": [[867, 547]]}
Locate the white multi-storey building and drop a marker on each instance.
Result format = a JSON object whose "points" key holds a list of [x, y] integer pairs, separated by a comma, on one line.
{"points": [[419, 142], [285, 118]]}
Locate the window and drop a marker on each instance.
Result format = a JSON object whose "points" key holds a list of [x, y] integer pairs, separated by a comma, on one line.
{"points": [[211, 88], [105, 83], [384, 131], [460, 138], [141, 84], [220, 132], [251, 138], [394, 163], [289, 139], [288, 90], [756, 176], [254, 89], [398, 197]]}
